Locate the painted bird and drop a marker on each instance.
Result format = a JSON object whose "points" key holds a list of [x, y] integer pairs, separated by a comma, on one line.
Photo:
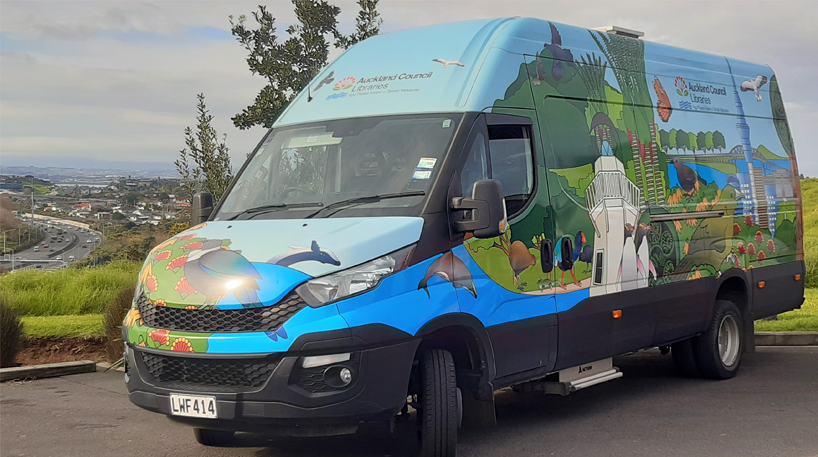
{"points": [[445, 63], [213, 271], [452, 270], [562, 57], [587, 256], [520, 259], [754, 85], [687, 176], [579, 240], [642, 252]]}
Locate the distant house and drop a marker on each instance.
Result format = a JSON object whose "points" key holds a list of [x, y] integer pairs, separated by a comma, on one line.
{"points": [[82, 206]]}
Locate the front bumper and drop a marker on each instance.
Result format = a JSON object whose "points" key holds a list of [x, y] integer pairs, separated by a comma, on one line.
{"points": [[377, 391]]}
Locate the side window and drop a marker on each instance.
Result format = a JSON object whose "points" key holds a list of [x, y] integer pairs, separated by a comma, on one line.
{"points": [[476, 166], [511, 163]]}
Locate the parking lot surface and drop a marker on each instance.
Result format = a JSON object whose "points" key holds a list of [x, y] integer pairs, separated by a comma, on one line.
{"points": [[769, 409]]}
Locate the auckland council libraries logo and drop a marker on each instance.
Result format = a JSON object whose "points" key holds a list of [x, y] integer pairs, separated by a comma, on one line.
{"points": [[341, 87], [681, 87]]}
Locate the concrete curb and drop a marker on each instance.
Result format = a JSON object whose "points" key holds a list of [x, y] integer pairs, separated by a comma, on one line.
{"points": [[47, 370], [786, 339]]}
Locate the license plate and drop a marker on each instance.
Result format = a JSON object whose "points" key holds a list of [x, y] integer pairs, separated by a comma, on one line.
{"points": [[193, 406]]}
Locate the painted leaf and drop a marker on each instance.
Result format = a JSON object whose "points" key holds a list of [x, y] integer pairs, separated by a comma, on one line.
{"points": [[192, 246], [181, 345], [160, 336], [164, 255], [184, 288]]}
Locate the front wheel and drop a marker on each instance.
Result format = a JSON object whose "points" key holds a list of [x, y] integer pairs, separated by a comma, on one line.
{"points": [[718, 349], [213, 437], [441, 410]]}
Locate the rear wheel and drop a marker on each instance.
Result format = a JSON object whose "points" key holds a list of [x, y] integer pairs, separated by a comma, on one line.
{"points": [[440, 416], [213, 437], [718, 349]]}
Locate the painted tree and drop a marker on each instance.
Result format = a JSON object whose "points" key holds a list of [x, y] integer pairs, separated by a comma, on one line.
{"points": [[718, 141], [204, 163], [288, 66], [701, 141], [672, 140], [708, 141], [592, 69], [682, 140], [664, 139], [692, 140]]}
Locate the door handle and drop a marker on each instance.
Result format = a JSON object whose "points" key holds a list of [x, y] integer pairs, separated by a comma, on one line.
{"points": [[547, 255]]}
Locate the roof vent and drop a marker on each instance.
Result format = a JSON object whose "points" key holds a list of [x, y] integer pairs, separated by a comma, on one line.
{"points": [[616, 30]]}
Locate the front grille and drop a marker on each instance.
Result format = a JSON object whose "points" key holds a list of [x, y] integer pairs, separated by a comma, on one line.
{"points": [[208, 374], [212, 320]]}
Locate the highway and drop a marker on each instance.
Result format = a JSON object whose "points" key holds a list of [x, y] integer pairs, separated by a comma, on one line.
{"points": [[74, 244]]}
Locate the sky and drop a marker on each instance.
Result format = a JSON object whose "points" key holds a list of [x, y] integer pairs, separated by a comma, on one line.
{"points": [[96, 84]]}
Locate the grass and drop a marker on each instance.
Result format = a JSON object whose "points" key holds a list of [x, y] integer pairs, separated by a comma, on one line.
{"points": [[800, 320], [80, 326], [66, 292]]}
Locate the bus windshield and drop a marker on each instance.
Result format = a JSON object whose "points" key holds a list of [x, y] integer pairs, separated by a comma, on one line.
{"points": [[328, 163]]}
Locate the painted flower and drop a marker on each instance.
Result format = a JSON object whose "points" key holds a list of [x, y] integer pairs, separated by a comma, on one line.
{"points": [[191, 307], [178, 262], [759, 236], [184, 287], [152, 284], [192, 246], [771, 245], [164, 255], [344, 84], [741, 248], [160, 336], [164, 244], [736, 229], [197, 227], [181, 345], [160, 302], [142, 344], [189, 236], [761, 256]]}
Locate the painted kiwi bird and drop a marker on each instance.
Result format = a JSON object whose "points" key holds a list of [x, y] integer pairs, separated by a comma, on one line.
{"points": [[520, 259], [213, 271], [451, 269], [687, 176], [579, 240]]}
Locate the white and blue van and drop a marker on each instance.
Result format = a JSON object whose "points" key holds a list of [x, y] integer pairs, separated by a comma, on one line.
{"points": [[447, 211]]}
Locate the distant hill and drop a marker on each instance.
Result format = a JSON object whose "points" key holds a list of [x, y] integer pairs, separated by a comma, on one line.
{"points": [[769, 155]]}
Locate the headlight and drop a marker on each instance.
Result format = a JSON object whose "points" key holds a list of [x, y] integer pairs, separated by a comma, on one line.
{"points": [[326, 289]]}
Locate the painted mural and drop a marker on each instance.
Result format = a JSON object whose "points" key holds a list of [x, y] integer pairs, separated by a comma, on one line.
{"points": [[626, 139]]}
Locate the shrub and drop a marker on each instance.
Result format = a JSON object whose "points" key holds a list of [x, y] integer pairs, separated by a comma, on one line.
{"points": [[112, 319], [10, 330]]}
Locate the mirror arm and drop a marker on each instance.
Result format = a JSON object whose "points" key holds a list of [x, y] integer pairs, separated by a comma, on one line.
{"points": [[466, 204]]}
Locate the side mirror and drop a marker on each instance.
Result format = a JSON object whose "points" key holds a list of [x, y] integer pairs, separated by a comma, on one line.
{"points": [[488, 210], [201, 207]]}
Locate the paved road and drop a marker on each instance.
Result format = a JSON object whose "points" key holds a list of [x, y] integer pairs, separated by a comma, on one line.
{"points": [[73, 244], [769, 409]]}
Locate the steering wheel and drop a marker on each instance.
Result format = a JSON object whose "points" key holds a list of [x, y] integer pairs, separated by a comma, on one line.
{"points": [[287, 190]]}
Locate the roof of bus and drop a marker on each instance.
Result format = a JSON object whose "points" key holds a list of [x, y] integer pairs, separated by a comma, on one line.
{"points": [[467, 66]]}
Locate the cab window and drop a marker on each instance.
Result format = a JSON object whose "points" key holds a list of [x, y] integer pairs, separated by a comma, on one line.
{"points": [[511, 163]]}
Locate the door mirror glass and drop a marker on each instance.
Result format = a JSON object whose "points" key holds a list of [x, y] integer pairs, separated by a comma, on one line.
{"points": [[486, 210]]}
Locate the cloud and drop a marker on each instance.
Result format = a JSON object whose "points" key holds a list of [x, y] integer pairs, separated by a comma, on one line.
{"points": [[118, 79]]}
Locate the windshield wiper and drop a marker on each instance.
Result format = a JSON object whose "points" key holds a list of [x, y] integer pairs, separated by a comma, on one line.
{"points": [[267, 208], [368, 199]]}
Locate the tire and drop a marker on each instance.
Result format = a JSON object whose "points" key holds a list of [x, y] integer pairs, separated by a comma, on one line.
{"points": [[440, 415], [718, 349], [685, 359], [209, 437]]}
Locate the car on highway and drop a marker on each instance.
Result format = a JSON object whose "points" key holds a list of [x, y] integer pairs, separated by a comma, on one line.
{"points": [[38, 266], [36, 249], [71, 258], [45, 246], [59, 257]]}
